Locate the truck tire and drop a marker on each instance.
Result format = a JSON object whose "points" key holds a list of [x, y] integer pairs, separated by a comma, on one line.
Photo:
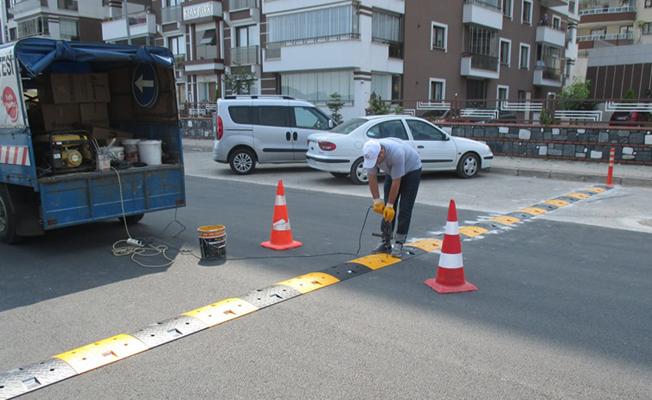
{"points": [[133, 219], [7, 220]]}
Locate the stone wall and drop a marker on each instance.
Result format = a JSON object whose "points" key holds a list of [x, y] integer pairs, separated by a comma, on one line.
{"points": [[198, 128], [561, 142]]}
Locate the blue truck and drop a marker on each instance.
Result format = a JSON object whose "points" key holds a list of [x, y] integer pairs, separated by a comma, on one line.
{"points": [[61, 103]]}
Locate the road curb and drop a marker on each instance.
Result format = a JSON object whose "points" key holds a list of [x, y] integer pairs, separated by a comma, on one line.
{"points": [[570, 176]]}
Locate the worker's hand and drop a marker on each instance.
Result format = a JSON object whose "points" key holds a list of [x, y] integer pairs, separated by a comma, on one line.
{"points": [[378, 206], [388, 213]]}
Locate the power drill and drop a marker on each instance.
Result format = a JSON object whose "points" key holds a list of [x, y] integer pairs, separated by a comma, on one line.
{"points": [[385, 235]]}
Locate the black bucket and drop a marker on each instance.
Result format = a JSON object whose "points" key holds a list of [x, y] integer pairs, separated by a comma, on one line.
{"points": [[212, 242]]}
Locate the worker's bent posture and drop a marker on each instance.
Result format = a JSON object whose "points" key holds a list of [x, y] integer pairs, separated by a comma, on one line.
{"points": [[401, 165]]}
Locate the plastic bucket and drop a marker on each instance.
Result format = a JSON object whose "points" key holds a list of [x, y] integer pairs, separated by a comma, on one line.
{"points": [[212, 241], [131, 149], [150, 152]]}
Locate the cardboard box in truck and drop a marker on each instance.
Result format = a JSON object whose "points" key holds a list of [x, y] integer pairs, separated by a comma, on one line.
{"points": [[95, 114], [60, 116], [80, 88]]}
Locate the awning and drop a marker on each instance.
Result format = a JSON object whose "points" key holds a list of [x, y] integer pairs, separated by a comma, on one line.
{"points": [[36, 55]]}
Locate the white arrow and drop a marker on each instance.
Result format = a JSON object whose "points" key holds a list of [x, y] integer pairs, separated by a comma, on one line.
{"points": [[141, 83]]}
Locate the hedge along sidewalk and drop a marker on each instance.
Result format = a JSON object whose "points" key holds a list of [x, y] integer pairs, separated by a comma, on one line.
{"points": [[582, 171]]}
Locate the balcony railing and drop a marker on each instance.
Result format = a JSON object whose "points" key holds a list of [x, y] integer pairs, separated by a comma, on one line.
{"points": [[481, 61], [241, 4], [551, 73], [244, 55], [485, 3], [206, 52], [171, 14], [20, 6], [606, 36], [607, 10]]}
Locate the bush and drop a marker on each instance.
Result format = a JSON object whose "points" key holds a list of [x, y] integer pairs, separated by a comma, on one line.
{"points": [[335, 104]]}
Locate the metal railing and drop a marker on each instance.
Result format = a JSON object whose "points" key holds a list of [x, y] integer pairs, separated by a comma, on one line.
{"points": [[244, 55], [171, 14], [316, 39], [495, 5], [482, 61], [241, 4], [606, 36], [204, 52], [607, 10]]}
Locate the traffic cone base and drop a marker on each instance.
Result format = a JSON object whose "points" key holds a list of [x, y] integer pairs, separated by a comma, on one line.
{"points": [[439, 288], [292, 245]]}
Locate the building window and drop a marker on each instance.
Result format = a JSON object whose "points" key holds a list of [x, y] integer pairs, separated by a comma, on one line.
{"points": [[67, 5], [502, 95], [508, 8], [397, 87], [646, 28], [333, 22], [69, 29], [439, 37], [556, 22], [381, 84], [386, 27], [33, 27], [246, 36], [177, 46], [437, 90], [524, 57], [505, 52], [571, 7], [648, 3], [526, 15], [206, 45], [318, 86]]}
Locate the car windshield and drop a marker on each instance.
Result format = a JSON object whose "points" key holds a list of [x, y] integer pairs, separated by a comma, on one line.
{"points": [[348, 126]]}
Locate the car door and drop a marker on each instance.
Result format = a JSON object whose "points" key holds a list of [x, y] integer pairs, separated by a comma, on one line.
{"points": [[306, 121], [273, 133], [435, 148]]}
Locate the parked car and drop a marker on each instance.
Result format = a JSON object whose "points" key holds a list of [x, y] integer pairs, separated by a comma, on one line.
{"points": [[625, 118], [340, 150], [264, 129]]}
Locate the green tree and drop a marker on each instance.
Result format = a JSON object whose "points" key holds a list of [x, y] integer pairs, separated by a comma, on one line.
{"points": [[575, 96], [335, 105], [377, 106], [238, 83]]}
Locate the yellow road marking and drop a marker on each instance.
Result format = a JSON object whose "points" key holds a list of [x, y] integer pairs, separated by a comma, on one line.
{"points": [[222, 311], [578, 196], [309, 282], [557, 203], [533, 211], [429, 245], [505, 220], [376, 261], [473, 231], [596, 190], [101, 353]]}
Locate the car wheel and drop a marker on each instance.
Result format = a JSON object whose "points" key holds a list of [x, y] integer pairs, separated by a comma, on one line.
{"points": [[468, 166], [7, 221], [358, 173], [242, 161], [339, 174]]}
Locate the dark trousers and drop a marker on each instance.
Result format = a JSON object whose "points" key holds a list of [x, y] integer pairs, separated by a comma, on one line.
{"points": [[407, 195]]}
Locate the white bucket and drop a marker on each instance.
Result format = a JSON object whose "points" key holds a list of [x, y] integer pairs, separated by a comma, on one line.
{"points": [[131, 149], [150, 152]]}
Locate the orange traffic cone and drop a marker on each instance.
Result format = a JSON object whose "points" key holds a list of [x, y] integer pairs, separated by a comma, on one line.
{"points": [[281, 238], [450, 272]]}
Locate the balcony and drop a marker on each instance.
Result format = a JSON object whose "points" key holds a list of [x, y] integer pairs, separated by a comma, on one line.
{"points": [[25, 6], [235, 5], [615, 39], [242, 12], [171, 15], [199, 12], [245, 55], [607, 14], [483, 12], [551, 36], [479, 66], [141, 24], [547, 76]]}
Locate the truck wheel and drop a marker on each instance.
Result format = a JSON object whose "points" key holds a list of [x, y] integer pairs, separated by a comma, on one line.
{"points": [[134, 219], [358, 173], [242, 161], [7, 221]]}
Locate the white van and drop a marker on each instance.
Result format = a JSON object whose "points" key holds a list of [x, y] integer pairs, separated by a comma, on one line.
{"points": [[264, 129]]}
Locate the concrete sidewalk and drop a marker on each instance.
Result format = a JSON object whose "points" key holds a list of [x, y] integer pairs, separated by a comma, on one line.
{"points": [[581, 171]]}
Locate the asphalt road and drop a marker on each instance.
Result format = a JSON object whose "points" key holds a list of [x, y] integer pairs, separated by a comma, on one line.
{"points": [[562, 311]]}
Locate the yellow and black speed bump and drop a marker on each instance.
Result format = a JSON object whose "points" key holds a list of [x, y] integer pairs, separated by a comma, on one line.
{"points": [[95, 355], [270, 295]]}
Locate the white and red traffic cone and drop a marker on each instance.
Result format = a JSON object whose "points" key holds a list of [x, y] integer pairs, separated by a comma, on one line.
{"points": [[281, 237], [450, 272]]}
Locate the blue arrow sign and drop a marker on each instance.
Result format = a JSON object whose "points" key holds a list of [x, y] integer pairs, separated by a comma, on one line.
{"points": [[144, 85]]}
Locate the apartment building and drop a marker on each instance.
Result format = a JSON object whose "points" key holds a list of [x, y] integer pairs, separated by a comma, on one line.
{"points": [[57, 19], [488, 49], [133, 22], [609, 23]]}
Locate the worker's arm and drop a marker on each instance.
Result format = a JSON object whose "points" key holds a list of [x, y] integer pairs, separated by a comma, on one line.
{"points": [[373, 186], [393, 191]]}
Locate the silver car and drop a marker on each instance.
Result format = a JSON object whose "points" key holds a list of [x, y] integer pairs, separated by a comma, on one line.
{"points": [[264, 129]]}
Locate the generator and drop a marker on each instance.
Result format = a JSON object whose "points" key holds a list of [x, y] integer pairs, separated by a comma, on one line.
{"points": [[66, 151]]}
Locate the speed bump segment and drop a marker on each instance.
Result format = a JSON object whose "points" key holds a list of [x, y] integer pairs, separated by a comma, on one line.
{"points": [[505, 220], [310, 282], [472, 231], [376, 261], [534, 211], [103, 352], [557, 203], [222, 311], [427, 245]]}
